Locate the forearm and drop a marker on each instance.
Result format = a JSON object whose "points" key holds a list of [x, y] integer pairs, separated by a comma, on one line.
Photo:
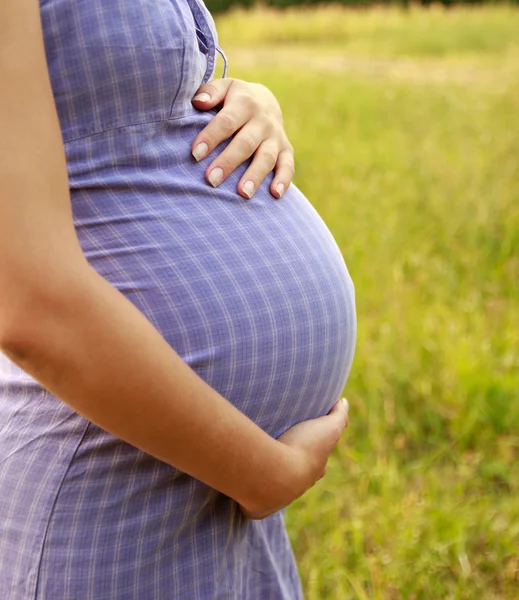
{"points": [[92, 348]]}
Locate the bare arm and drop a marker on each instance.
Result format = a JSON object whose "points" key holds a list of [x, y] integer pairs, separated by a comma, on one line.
{"points": [[83, 340]]}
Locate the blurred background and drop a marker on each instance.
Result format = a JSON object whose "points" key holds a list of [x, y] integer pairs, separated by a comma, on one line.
{"points": [[405, 121]]}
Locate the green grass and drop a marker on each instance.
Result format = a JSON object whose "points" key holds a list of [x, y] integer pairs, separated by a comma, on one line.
{"points": [[419, 183], [382, 31]]}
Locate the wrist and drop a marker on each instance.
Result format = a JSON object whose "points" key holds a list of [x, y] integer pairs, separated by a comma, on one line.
{"points": [[279, 483]]}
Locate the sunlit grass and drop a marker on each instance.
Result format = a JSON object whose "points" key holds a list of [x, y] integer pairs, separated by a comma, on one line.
{"points": [[492, 31], [420, 186]]}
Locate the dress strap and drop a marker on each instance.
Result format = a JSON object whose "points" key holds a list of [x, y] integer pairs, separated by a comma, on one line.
{"points": [[225, 60]]}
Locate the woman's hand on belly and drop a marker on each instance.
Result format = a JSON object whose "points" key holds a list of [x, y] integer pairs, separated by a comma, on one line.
{"points": [[310, 444], [252, 112]]}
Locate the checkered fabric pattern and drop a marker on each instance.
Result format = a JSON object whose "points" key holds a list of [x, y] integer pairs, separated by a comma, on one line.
{"points": [[253, 295]]}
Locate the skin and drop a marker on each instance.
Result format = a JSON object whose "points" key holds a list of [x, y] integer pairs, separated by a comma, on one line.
{"points": [[250, 111], [87, 344]]}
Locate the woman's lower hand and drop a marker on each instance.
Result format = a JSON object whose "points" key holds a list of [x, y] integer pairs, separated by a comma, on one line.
{"points": [[250, 111], [309, 444]]}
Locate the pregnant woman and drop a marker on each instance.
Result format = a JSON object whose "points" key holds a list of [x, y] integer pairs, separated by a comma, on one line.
{"points": [[172, 353]]}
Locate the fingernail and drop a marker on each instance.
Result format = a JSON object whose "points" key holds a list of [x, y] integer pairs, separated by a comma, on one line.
{"points": [[203, 97], [216, 176], [344, 402], [280, 188], [200, 151], [248, 188]]}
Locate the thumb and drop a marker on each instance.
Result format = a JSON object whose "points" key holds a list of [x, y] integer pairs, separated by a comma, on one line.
{"points": [[341, 409], [322, 431], [212, 94], [340, 414]]}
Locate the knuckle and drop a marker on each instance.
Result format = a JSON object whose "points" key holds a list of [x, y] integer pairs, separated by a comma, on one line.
{"points": [[287, 173], [288, 160], [248, 102], [290, 171], [227, 123], [268, 122], [269, 156], [210, 87], [248, 144], [204, 88]]}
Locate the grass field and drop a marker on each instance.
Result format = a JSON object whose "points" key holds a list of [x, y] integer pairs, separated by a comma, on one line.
{"points": [[406, 129]]}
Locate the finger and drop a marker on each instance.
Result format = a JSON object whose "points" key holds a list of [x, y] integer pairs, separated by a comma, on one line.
{"points": [[340, 408], [340, 412], [284, 173], [323, 473], [320, 434], [212, 94], [221, 127], [239, 150], [264, 161]]}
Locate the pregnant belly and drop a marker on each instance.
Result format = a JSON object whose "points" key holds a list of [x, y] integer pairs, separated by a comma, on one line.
{"points": [[253, 295]]}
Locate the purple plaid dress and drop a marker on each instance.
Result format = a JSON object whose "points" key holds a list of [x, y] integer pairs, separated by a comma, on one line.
{"points": [[253, 295]]}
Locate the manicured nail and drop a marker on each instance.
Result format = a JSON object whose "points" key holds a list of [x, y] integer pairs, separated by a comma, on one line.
{"points": [[200, 151], [216, 176], [344, 402], [203, 97], [248, 188], [280, 188]]}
